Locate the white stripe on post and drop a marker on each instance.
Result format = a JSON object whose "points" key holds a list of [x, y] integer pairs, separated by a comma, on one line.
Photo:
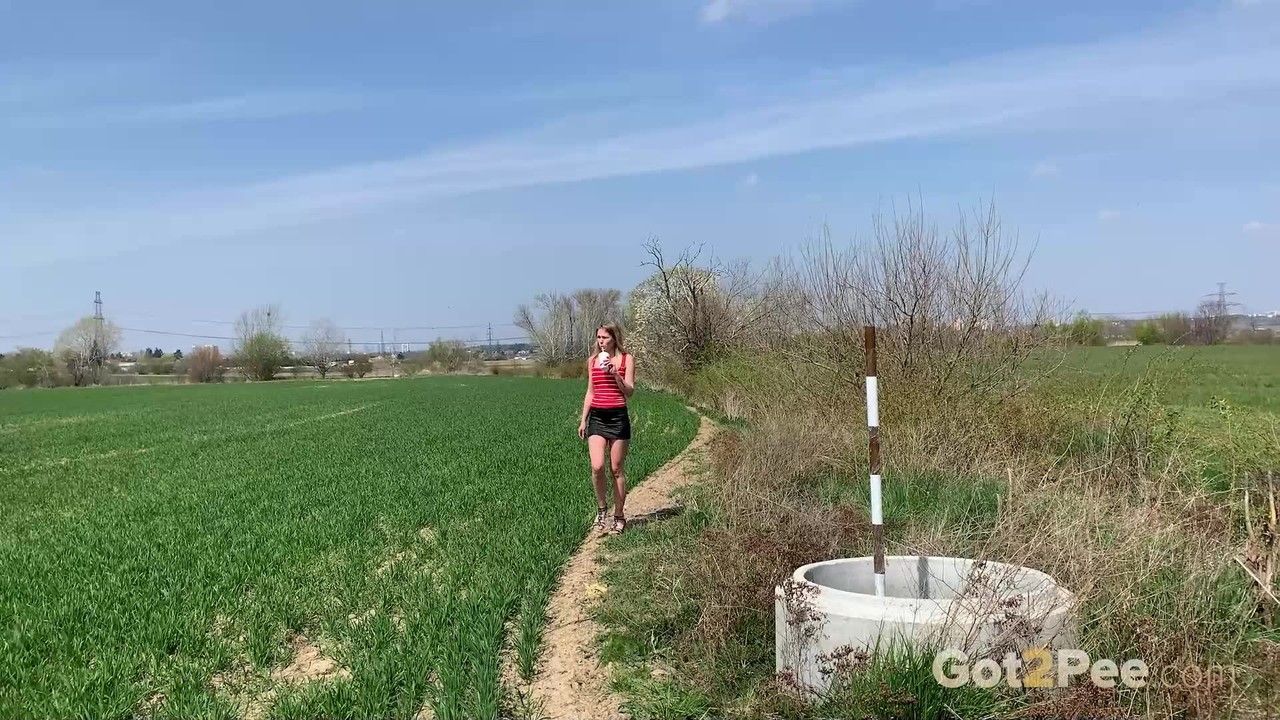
{"points": [[876, 512], [873, 402]]}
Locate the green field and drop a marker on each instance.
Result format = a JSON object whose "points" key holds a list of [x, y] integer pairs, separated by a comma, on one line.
{"points": [[1246, 376], [167, 551]]}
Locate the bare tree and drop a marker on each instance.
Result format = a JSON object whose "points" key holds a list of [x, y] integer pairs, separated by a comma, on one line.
{"points": [[322, 346], [1212, 322], [262, 319], [260, 347], [84, 347], [562, 327], [951, 309], [549, 325]]}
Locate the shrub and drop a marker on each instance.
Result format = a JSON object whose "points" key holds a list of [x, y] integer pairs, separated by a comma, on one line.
{"points": [[1084, 330], [691, 310], [30, 367], [261, 349], [1175, 328], [1148, 333], [262, 355], [361, 365], [447, 356], [152, 365], [205, 365]]}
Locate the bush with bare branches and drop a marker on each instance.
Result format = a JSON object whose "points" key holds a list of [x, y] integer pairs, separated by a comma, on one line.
{"points": [[323, 346], [952, 312], [1212, 323], [693, 309], [205, 365], [260, 346]]}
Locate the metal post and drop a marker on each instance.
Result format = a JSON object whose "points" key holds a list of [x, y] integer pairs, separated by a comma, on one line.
{"points": [[873, 428]]}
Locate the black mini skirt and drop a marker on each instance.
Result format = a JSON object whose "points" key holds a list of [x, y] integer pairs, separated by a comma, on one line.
{"points": [[609, 423]]}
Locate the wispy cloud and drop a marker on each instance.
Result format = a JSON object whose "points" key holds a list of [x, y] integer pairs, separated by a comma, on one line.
{"points": [[1045, 168], [1112, 85], [750, 181], [242, 107], [1107, 215], [758, 12], [256, 106]]}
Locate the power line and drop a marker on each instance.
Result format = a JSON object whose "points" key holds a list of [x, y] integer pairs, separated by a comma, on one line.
{"points": [[515, 338], [470, 326], [98, 316]]}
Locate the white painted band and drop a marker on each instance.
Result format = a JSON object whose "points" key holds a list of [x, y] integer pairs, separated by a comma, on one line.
{"points": [[879, 584], [876, 517], [873, 402]]}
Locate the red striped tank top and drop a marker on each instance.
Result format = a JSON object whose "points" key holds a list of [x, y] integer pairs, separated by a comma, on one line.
{"points": [[605, 392]]}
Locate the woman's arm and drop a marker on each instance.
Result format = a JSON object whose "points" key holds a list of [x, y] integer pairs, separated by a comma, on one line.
{"points": [[627, 380], [586, 405]]}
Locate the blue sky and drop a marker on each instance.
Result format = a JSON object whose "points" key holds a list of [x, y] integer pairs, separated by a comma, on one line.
{"points": [[396, 165]]}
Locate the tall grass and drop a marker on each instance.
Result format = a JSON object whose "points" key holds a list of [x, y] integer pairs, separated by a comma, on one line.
{"points": [[1131, 500]]}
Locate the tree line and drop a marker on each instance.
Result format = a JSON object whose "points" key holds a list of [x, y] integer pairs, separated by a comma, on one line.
{"points": [[88, 353]]}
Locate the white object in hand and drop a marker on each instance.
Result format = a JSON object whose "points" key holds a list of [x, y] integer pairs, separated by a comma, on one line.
{"points": [[602, 358]]}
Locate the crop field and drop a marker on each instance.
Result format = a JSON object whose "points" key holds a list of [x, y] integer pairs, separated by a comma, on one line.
{"points": [[1246, 376], [301, 549]]}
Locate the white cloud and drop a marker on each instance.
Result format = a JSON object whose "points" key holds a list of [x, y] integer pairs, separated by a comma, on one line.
{"points": [[1099, 86], [760, 12], [1045, 168], [1107, 215], [751, 180], [717, 11], [1259, 228]]}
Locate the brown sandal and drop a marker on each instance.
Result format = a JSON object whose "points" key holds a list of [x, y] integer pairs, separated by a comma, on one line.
{"points": [[619, 525]]}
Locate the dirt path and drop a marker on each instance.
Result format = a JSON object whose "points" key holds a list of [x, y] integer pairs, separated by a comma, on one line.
{"points": [[571, 684]]}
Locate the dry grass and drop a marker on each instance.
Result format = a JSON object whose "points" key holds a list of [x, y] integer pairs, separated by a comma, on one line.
{"points": [[991, 451], [1104, 491]]}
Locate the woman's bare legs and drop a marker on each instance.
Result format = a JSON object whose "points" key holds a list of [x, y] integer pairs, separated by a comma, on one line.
{"points": [[617, 459], [598, 447]]}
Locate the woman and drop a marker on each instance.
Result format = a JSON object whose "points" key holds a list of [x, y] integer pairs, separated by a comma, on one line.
{"points": [[605, 424]]}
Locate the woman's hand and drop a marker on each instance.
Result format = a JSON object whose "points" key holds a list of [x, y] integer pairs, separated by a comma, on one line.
{"points": [[582, 430]]}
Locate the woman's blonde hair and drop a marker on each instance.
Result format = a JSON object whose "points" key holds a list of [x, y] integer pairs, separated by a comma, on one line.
{"points": [[615, 332]]}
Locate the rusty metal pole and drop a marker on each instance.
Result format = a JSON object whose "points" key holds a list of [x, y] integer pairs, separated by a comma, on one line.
{"points": [[873, 428]]}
